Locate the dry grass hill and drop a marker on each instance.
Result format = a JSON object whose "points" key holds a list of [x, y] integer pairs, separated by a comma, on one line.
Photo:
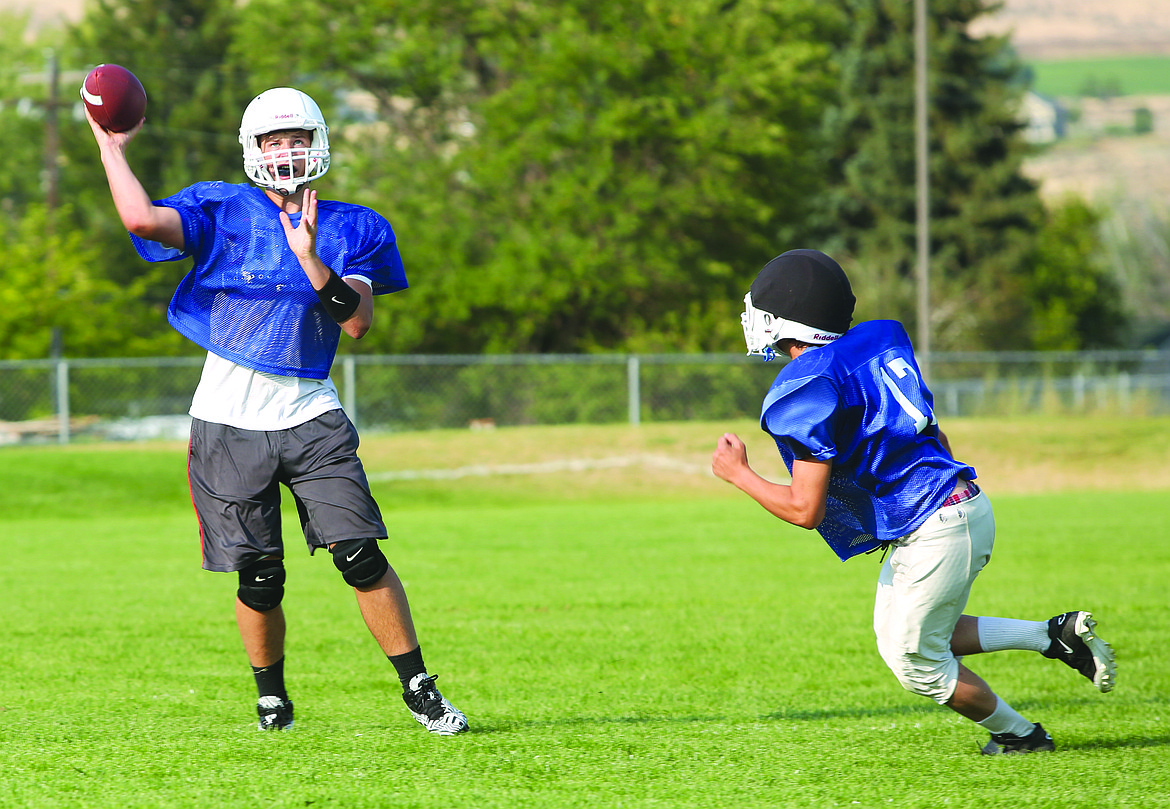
{"points": [[1064, 29], [1119, 171], [1044, 29], [45, 11]]}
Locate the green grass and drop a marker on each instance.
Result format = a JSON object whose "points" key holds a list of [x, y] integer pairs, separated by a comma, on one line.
{"points": [[1127, 75], [614, 644]]}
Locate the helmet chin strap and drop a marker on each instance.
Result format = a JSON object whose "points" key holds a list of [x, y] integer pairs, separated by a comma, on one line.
{"points": [[284, 187]]}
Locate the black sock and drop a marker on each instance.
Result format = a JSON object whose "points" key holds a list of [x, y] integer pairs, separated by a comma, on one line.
{"points": [[270, 680], [408, 665]]}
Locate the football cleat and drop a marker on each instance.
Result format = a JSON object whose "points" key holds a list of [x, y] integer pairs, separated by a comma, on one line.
{"points": [[1075, 643], [431, 709], [1038, 741], [275, 713]]}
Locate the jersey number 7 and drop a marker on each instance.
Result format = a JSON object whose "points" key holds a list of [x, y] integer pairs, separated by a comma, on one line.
{"points": [[903, 369]]}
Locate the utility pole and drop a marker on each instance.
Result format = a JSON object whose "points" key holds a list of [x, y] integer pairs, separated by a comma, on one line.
{"points": [[922, 185], [58, 379], [52, 134]]}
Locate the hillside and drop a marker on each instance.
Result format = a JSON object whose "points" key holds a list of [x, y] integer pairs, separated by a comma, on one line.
{"points": [[45, 11], [1069, 29], [1043, 29]]}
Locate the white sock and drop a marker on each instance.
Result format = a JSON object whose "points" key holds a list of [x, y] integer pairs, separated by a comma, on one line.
{"points": [[1004, 719], [1000, 634]]}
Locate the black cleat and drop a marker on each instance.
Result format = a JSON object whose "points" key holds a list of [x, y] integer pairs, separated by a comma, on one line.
{"points": [[431, 709], [275, 713], [1075, 643], [1001, 744]]}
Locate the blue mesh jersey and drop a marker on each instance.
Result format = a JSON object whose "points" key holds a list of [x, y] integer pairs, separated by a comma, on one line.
{"points": [[861, 402], [247, 298]]}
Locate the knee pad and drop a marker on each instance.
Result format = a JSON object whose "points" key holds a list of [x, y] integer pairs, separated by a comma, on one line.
{"points": [[361, 562], [262, 585]]}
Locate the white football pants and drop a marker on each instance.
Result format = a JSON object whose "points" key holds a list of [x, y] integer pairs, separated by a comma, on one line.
{"points": [[923, 589]]}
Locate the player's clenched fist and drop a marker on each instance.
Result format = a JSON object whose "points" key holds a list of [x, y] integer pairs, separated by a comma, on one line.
{"points": [[729, 458]]}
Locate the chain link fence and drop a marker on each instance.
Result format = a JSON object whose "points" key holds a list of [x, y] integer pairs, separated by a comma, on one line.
{"points": [[120, 399]]}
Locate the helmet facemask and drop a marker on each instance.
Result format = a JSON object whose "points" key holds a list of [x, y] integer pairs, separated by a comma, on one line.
{"points": [[759, 329], [278, 110], [762, 330]]}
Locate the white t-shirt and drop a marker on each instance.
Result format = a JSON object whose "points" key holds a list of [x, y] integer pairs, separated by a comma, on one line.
{"points": [[231, 394], [252, 400]]}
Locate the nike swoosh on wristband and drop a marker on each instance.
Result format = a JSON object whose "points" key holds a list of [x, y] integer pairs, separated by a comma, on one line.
{"points": [[336, 300], [266, 578], [355, 555], [90, 97]]}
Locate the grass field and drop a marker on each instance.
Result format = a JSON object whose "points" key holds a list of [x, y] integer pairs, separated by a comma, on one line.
{"points": [[631, 634], [1127, 75]]}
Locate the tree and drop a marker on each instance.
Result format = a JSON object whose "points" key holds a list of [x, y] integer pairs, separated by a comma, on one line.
{"points": [[1075, 302], [50, 281], [23, 93], [53, 289], [985, 214], [577, 175]]}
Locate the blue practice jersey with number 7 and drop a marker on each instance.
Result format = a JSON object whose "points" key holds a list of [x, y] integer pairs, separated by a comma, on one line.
{"points": [[860, 401]]}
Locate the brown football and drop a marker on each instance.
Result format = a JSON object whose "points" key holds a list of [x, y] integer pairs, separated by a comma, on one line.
{"points": [[114, 97]]}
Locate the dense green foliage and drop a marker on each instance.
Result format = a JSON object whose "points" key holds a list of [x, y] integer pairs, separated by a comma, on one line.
{"points": [[594, 175], [20, 183], [1075, 303], [67, 294], [585, 176]]}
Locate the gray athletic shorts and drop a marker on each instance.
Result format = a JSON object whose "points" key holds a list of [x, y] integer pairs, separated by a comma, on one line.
{"points": [[235, 478]]}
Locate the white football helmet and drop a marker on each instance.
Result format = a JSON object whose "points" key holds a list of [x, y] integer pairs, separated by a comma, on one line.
{"points": [[278, 109]]}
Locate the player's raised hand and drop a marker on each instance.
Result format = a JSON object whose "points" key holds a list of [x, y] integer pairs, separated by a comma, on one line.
{"points": [[107, 139], [302, 239], [730, 457]]}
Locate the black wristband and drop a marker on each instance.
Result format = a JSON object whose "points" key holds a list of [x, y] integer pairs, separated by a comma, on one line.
{"points": [[339, 298]]}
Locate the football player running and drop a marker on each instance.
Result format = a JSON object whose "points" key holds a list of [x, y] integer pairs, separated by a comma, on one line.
{"points": [[870, 469], [278, 275]]}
